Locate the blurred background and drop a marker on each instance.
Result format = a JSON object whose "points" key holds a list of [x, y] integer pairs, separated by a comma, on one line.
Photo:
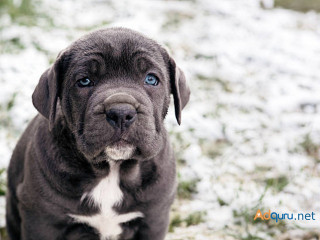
{"points": [[250, 135]]}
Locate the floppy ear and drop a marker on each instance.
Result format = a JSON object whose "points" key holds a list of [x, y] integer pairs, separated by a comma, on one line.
{"points": [[179, 89], [45, 96]]}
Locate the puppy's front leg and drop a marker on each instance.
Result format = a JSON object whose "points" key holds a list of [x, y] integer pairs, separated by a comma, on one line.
{"points": [[12, 217], [155, 224]]}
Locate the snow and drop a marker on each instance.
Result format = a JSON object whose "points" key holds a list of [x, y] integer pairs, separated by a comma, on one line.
{"points": [[254, 75]]}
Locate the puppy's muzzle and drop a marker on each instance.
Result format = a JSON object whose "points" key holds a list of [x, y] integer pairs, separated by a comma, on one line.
{"points": [[121, 110]]}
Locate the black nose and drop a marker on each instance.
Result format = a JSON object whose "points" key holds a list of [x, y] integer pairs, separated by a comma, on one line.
{"points": [[121, 116]]}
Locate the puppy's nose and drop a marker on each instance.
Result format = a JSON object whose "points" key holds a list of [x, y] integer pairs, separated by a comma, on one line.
{"points": [[121, 115]]}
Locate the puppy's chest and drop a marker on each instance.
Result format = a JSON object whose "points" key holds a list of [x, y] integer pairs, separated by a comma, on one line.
{"points": [[106, 195]]}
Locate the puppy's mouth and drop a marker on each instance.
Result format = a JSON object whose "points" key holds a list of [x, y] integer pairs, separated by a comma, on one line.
{"points": [[120, 150]]}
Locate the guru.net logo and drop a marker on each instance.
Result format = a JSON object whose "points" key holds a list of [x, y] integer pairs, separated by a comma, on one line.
{"points": [[282, 216]]}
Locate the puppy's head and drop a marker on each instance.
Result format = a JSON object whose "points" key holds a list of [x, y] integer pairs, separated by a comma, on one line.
{"points": [[113, 87]]}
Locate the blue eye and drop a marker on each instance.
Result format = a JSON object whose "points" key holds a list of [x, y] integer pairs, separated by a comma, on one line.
{"points": [[85, 82], [151, 80]]}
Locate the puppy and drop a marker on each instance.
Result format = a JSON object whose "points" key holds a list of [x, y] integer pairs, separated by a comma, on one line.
{"points": [[96, 163]]}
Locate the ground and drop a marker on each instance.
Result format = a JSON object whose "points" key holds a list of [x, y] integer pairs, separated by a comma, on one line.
{"points": [[249, 137]]}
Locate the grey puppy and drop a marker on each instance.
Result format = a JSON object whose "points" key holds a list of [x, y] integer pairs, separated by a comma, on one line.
{"points": [[96, 162]]}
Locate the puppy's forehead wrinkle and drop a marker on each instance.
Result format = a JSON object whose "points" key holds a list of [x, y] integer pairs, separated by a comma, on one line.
{"points": [[93, 54], [121, 97], [84, 66], [122, 57], [110, 93], [116, 44]]}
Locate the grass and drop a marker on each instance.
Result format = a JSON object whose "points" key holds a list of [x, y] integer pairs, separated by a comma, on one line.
{"points": [[19, 11], [194, 218], [225, 86], [25, 13], [215, 148], [299, 5], [176, 221], [180, 144], [244, 218], [311, 149], [12, 45], [5, 118], [3, 182], [11, 102], [175, 19], [187, 188], [222, 202], [3, 233], [249, 237], [3, 189], [277, 183]]}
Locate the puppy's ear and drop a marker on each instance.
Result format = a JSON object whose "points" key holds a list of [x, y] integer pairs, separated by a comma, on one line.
{"points": [[179, 89], [45, 96]]}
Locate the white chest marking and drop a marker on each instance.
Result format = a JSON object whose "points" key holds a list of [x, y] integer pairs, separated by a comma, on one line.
{"points": [[106, 195]]}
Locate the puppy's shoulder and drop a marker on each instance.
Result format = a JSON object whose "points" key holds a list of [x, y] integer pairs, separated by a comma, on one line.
{"points": [[16, 166]]}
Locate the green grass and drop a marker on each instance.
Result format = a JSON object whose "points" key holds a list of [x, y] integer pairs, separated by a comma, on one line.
{"points": [[311, 149], [244, 218], [3, 233], [176, 221], [277, 183], [180, 144], [215, 148], [299, 5], [11, 102], [5, 119], [194, 218], [248, 237], [3, 189], [3, 182], [12, 45], [213, 80], [175, 18], [22, 12], [25, 13], [187, 188], [222, 202]]}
